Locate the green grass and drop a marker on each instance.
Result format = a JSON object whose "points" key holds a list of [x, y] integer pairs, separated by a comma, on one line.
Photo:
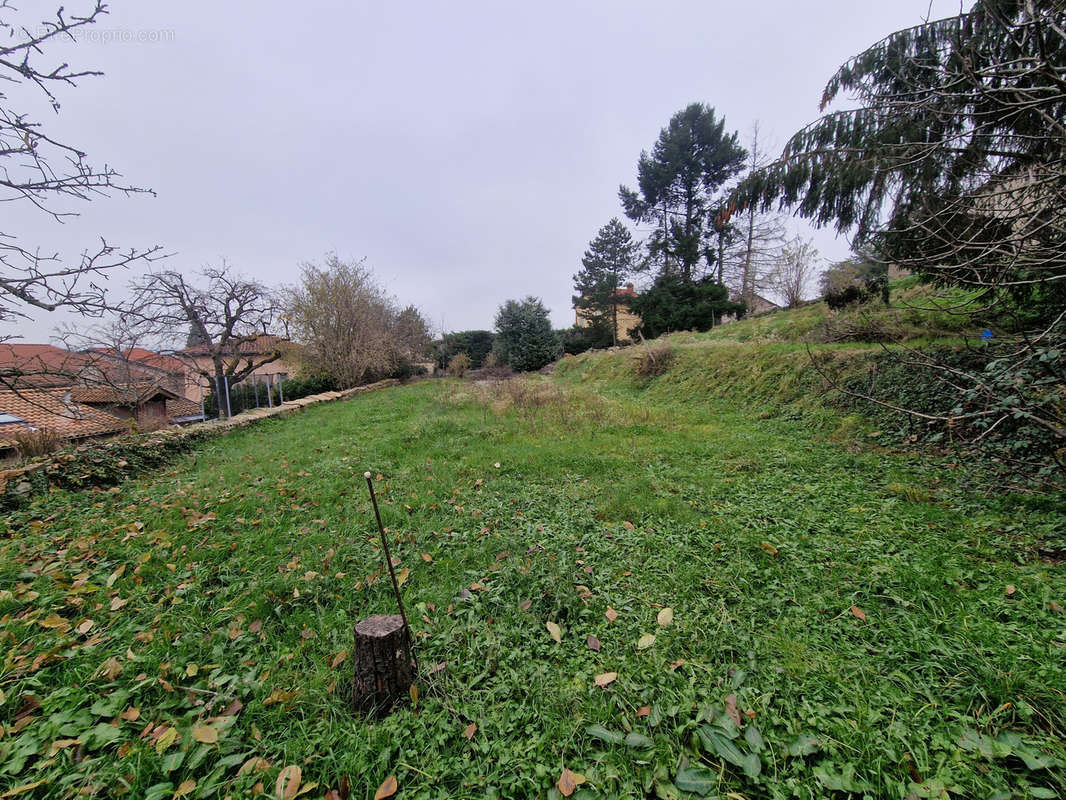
{"points": [[238, 575]]}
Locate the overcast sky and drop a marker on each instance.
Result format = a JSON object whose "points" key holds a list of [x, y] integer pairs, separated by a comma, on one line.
{"points": [[468, 150]]}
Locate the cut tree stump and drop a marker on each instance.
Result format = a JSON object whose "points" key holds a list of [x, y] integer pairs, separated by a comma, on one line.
{"points": [[382, 663]]}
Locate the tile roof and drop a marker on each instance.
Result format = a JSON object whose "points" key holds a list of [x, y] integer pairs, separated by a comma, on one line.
{"points": [[130, 393], [47, 410], [143, 356], [40, 365], [260, 345], [181, 408]]}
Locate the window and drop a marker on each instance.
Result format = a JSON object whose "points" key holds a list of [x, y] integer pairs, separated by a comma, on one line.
{"points": [[10, 419]]}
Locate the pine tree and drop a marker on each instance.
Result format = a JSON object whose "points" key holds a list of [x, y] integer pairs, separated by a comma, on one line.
{"points": [[677, 185], [608, 261]]}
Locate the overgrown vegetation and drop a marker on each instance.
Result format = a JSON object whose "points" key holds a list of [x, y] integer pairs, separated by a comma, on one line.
{"points": [[738, 604]]}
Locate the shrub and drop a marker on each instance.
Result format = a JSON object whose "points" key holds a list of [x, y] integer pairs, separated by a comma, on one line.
{"points": [[458, 365], [652, 361], [34, 443], [526, 340], [476, 344]]}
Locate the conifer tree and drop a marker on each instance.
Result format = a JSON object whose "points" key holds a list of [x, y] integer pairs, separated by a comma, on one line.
{"points": [[677, 185], [608, 261]]}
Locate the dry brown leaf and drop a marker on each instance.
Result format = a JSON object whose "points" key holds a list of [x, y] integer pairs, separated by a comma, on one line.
{"points": [[387, 789], [338, 659], [427, 557], [413, 692], [205, 734], [731, 709], [131, 714], [117, 603], [645, 641], [665, 617], [675, 664], [288, 782], [402, 576], [525, 605], [185, 788], [555, 631], [1010, 589], [769, 549], [859, 613], [471, 729], [593, 643], [606, 678], [114, 576], [611, 614], [629, 525], [643, 711]]}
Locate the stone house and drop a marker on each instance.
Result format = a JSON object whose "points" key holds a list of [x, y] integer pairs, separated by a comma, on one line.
{"points": [[626, 319]]}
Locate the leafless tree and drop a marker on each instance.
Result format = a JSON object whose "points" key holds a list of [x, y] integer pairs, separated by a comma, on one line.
{"points": [[795, 270], [229, 319], [348, 327], [42, 170], [751, 261]]}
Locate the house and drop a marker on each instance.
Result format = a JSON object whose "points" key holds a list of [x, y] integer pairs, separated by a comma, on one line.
{"points": [[758, 305], [52, 411], [137, 364], [198, 359], [148, 404], [626, 320], [40, 366]]}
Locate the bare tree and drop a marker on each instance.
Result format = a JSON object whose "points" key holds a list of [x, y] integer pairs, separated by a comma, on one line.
{"points": [[795, 270], [762, 236], [39, 169], [230, 317], [349, 327]]}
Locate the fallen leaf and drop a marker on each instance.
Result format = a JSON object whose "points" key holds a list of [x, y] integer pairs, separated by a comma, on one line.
{"points": [[859, 613], [131, 714], [611, 614], [645, 641], [117, 603], [338, 659], [675, 664], [387, 789], [1010, 589], [665, 617], [54, 622], [1052, 606], [629, 525], [555, 631], [163, 743], [402, 576], [525, 605], [185, 787], [256, 626], [593, 643], [288, 782], [427, 557], [769, 549], [470, 730], [114, 576], [606, 678], [205, 734], [731, 709], [26, 787], [643, 711], [568, 782], [84, 626], [413, 692]]}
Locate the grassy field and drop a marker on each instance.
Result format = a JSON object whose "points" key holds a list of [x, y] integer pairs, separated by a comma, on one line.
{"points": [[841, 620]]}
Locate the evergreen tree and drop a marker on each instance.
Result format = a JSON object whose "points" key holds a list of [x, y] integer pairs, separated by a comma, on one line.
{"points": [[525, 338], [608, 261], [677, 186], [951, 165], [672, 304]]}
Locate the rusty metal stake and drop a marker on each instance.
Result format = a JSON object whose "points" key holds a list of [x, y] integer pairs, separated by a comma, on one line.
{"points": [[392, 573]]}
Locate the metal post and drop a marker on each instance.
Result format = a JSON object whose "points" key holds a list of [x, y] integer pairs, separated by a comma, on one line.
{"points": [[388, 562], [281, 390], [229, 408], [270, 391], [255, 388]]}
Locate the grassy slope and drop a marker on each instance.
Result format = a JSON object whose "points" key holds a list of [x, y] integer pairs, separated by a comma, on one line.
{"points": [[760, 533]]}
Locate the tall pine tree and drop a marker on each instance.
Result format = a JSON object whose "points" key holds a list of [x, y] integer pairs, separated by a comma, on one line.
{"points": [[677, 188], [608, 261]]}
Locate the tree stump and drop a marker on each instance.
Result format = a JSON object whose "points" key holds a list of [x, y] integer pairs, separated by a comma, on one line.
{"points": [[382, 663]]}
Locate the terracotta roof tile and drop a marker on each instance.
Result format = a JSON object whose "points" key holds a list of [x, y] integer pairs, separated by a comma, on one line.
{"points": [[47, 410]]}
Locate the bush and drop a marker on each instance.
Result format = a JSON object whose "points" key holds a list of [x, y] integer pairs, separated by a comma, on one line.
{"points": [[577, 340], [458, 365], [674, 305], [31, 444], [653, 361], [476, 344]]}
